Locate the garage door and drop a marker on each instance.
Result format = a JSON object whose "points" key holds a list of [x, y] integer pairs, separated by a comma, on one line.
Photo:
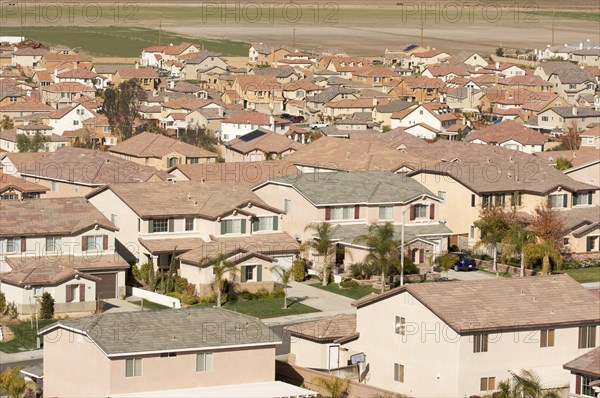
{"points": [[107, 286]]}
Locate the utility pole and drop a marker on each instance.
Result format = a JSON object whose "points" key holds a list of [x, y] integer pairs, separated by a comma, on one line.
{"points": [[159, 30], [422, 27], [294, 37], [553, 14]]}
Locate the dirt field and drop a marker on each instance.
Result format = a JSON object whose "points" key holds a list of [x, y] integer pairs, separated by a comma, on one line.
{"points": [[349, 25]]}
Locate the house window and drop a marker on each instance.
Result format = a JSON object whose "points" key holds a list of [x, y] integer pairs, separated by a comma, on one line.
{"points": [[499, 199], [204, 362], [94, 242], [399, 373], [54, 186], [133, 367], [400, 326], [472, 232], [587, 337], [480, 343], [590, 243], [589, 140], [139, 225], [486, 200], [420, 211], [582, 198], [193, 160], [557, 201], [544, 118], [591, 86], [487, 384], [248, 273], [472, 200], [386, 212], [287, 206], [189, 224], [13, 245], [10, 196], [586, 389], [75, 122], [516, 199], [159, 225], [168, 354], [79, 112], [113, 219], [173, 162], [342, 213], [37, 291], [566, 241], [72, 294], [268, 223], [572, 86], [53, 244], [442, 196], [232, 227], [547, 338]]}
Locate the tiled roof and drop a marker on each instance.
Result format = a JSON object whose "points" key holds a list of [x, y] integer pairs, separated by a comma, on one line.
{"points": [[580, 220], [23, 160], [156, 246], [394, 139], [172, 331], [254, 118], [143, 73], [74, 87], [505, 131], [328, 94], [567, 112], [208, 200], [258, 82], [263, 140], [150, 145], [9, 182], [356, 187], [591, 132], [351, 103], [87, 166], [42, 276], [510, 303], [574, 76], [26, 106], [50, 216], [327, 330], [251, 173], [588, 363], [347, 233]]}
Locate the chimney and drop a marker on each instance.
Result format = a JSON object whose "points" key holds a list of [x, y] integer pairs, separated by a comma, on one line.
{"points": [[137, 66], [497, 65], [220, 110], [581, 46], [171, 84], [574, 110], [374, 102], [74, 65], [272, 122], [165, 98]]}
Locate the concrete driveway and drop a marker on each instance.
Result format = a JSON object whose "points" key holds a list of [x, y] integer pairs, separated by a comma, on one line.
{"points": [[469, 276]]}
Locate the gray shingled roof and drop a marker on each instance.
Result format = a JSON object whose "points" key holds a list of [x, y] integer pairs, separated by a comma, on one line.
{"points": [[346, 233], [393, 106], [355, 187], [574, 76], [328, 94], [567, 112], [170, 330]]}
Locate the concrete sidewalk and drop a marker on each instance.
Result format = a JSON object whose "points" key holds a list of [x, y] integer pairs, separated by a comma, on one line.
{"points": [[20, 356], [318, 298]]}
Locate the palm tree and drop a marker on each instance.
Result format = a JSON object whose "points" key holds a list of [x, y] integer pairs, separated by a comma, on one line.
{"points": [[383, 248], [515, 241], [335, 387], [221, 268], [322, 244], [284, 274], [525, 384], [13, 384], [546, 250]]}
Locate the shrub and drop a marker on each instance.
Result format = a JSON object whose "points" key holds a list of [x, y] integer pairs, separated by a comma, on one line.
{"points": [[189, 300], [299, 270], [191, 289], [246, 295], [576, 264], [453, 248], [11, 310], [229, 297], [47, 306], [2, 304], [410, 268], [348, 283], [209, 299], [278, 293], [181, 284], [262, 293]]}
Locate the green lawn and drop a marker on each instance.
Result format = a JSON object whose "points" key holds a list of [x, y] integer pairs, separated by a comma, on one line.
{"points": [[267, 308], [25, 337], [583, 275], [352, 292], [119, 41], [149, 305]]}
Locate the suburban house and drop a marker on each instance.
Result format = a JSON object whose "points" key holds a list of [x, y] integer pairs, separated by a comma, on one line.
{"points": [[437, 116], [440, 341], [570, 83], [259, 92], [155, 56], [160, 151], [65, 94], [511, 135], [585, 374], [71, 171], [159, 219], [561, 119], [418, 89], [590, 138], [210, 352], [244, 122], [582, 231], [14, 188], [147, 77], [69, 118], [473, 176], [585, 164], [254, 256], [63, 246], [258, 54], [197, 65], [259, 145], [19, 109], [354, 200]]}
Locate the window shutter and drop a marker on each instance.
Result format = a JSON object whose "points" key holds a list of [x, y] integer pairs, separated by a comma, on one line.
{"points": [[84, 243], [82, 292], [431, 211], [578, 384], [150, 226], [564, 200], [69, 298], [573, 199], [223, 228], [243, 274], [327, 213], [105, 242], [255, 224], [412, 213], [243, 228], [259, 272], [421, 256], [549, 201], [590, 197], [472, 200], [275, 223], [171, 225], [356, 212], [23, 244]]}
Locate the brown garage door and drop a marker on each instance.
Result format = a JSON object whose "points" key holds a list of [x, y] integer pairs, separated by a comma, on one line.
{"points": [[107, 286]]}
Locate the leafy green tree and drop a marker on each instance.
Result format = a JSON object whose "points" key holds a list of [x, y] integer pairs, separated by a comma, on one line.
{"points": [[322, 244], [285, 275], [525, 384], [172, 274], [26, 144], [334, 386], [2, 304], [121, 106], [299, 269], [13, 384], [385, 128], [383, 249], [47, 306], [494, 223], [6, 123], [563, 163], [546, 251], [500, 52], [515, 241], [446, 261], [221, 269]]}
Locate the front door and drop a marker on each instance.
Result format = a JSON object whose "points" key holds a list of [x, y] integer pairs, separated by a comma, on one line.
{"points": [[334, 357]]}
